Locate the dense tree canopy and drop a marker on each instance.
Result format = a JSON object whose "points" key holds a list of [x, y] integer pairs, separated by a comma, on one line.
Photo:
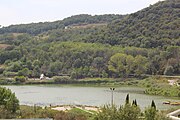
{"points": [[37, 28], [155, 26]]}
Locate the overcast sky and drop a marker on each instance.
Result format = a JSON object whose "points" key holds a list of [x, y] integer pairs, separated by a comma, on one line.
{"points": [[28, 11]]}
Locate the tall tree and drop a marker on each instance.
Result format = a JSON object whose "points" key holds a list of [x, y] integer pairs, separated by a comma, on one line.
{"points": [[141, 65], [8, 100], [121, 64], [127, 99]]}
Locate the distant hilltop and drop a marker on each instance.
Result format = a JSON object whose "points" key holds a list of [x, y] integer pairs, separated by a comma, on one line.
{"points": [[37, 28]]}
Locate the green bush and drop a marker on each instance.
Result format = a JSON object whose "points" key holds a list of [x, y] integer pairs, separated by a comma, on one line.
{"points": [[10, 74], [61, 79], [20, 79], [24, 72], [152, 114], [5, 81]]}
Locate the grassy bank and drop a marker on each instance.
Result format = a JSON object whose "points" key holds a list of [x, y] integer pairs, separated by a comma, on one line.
{"points": [[67, 80], [160, 86]]}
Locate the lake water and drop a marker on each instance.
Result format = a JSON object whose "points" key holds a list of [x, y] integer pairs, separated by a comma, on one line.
{"points": [[45, 95]]}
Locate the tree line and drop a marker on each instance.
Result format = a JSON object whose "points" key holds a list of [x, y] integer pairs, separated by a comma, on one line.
{"points": [[38, 28], [80, 60]]}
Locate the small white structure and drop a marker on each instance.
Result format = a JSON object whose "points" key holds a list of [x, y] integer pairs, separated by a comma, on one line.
{"points": [[42, 76], [173, 82], [174, 115]]}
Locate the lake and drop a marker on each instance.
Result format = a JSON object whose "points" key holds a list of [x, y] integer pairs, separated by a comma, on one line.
{"points": [[44, 95]]}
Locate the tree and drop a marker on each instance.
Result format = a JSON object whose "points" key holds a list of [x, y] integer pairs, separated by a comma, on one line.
{"points": [[36, 71], [98, 63], [130, 112], [127, 99], [121, 64], [20, 79], [15, 67], [140, 65], [169, 70], [8, 101], [108, 113], [126, 112], [54, 68], [153, 105], [151, 112], [135, 102], [24, 72]]}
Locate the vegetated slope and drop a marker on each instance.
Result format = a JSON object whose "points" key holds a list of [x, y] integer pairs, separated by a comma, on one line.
{"points": [[37, 28], [66, 51], [157, 25]]}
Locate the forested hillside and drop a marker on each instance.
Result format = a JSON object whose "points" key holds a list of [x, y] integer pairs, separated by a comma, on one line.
{"points": [[37, 28], [155, 26], [145, 42]]}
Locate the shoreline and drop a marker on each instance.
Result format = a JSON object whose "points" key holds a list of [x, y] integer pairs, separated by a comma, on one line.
{"points": [[70, 107], [151, 85]]}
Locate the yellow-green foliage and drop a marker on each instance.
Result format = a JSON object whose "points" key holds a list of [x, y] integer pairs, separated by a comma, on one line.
{"points": [[160, 86], [126, 112]]}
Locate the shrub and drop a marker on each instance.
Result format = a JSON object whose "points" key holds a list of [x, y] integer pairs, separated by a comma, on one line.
{"points": [[126, 112], [152, 114], [24, 72], [5, 81], [10, 74], [20, 79], [61, 79]]}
